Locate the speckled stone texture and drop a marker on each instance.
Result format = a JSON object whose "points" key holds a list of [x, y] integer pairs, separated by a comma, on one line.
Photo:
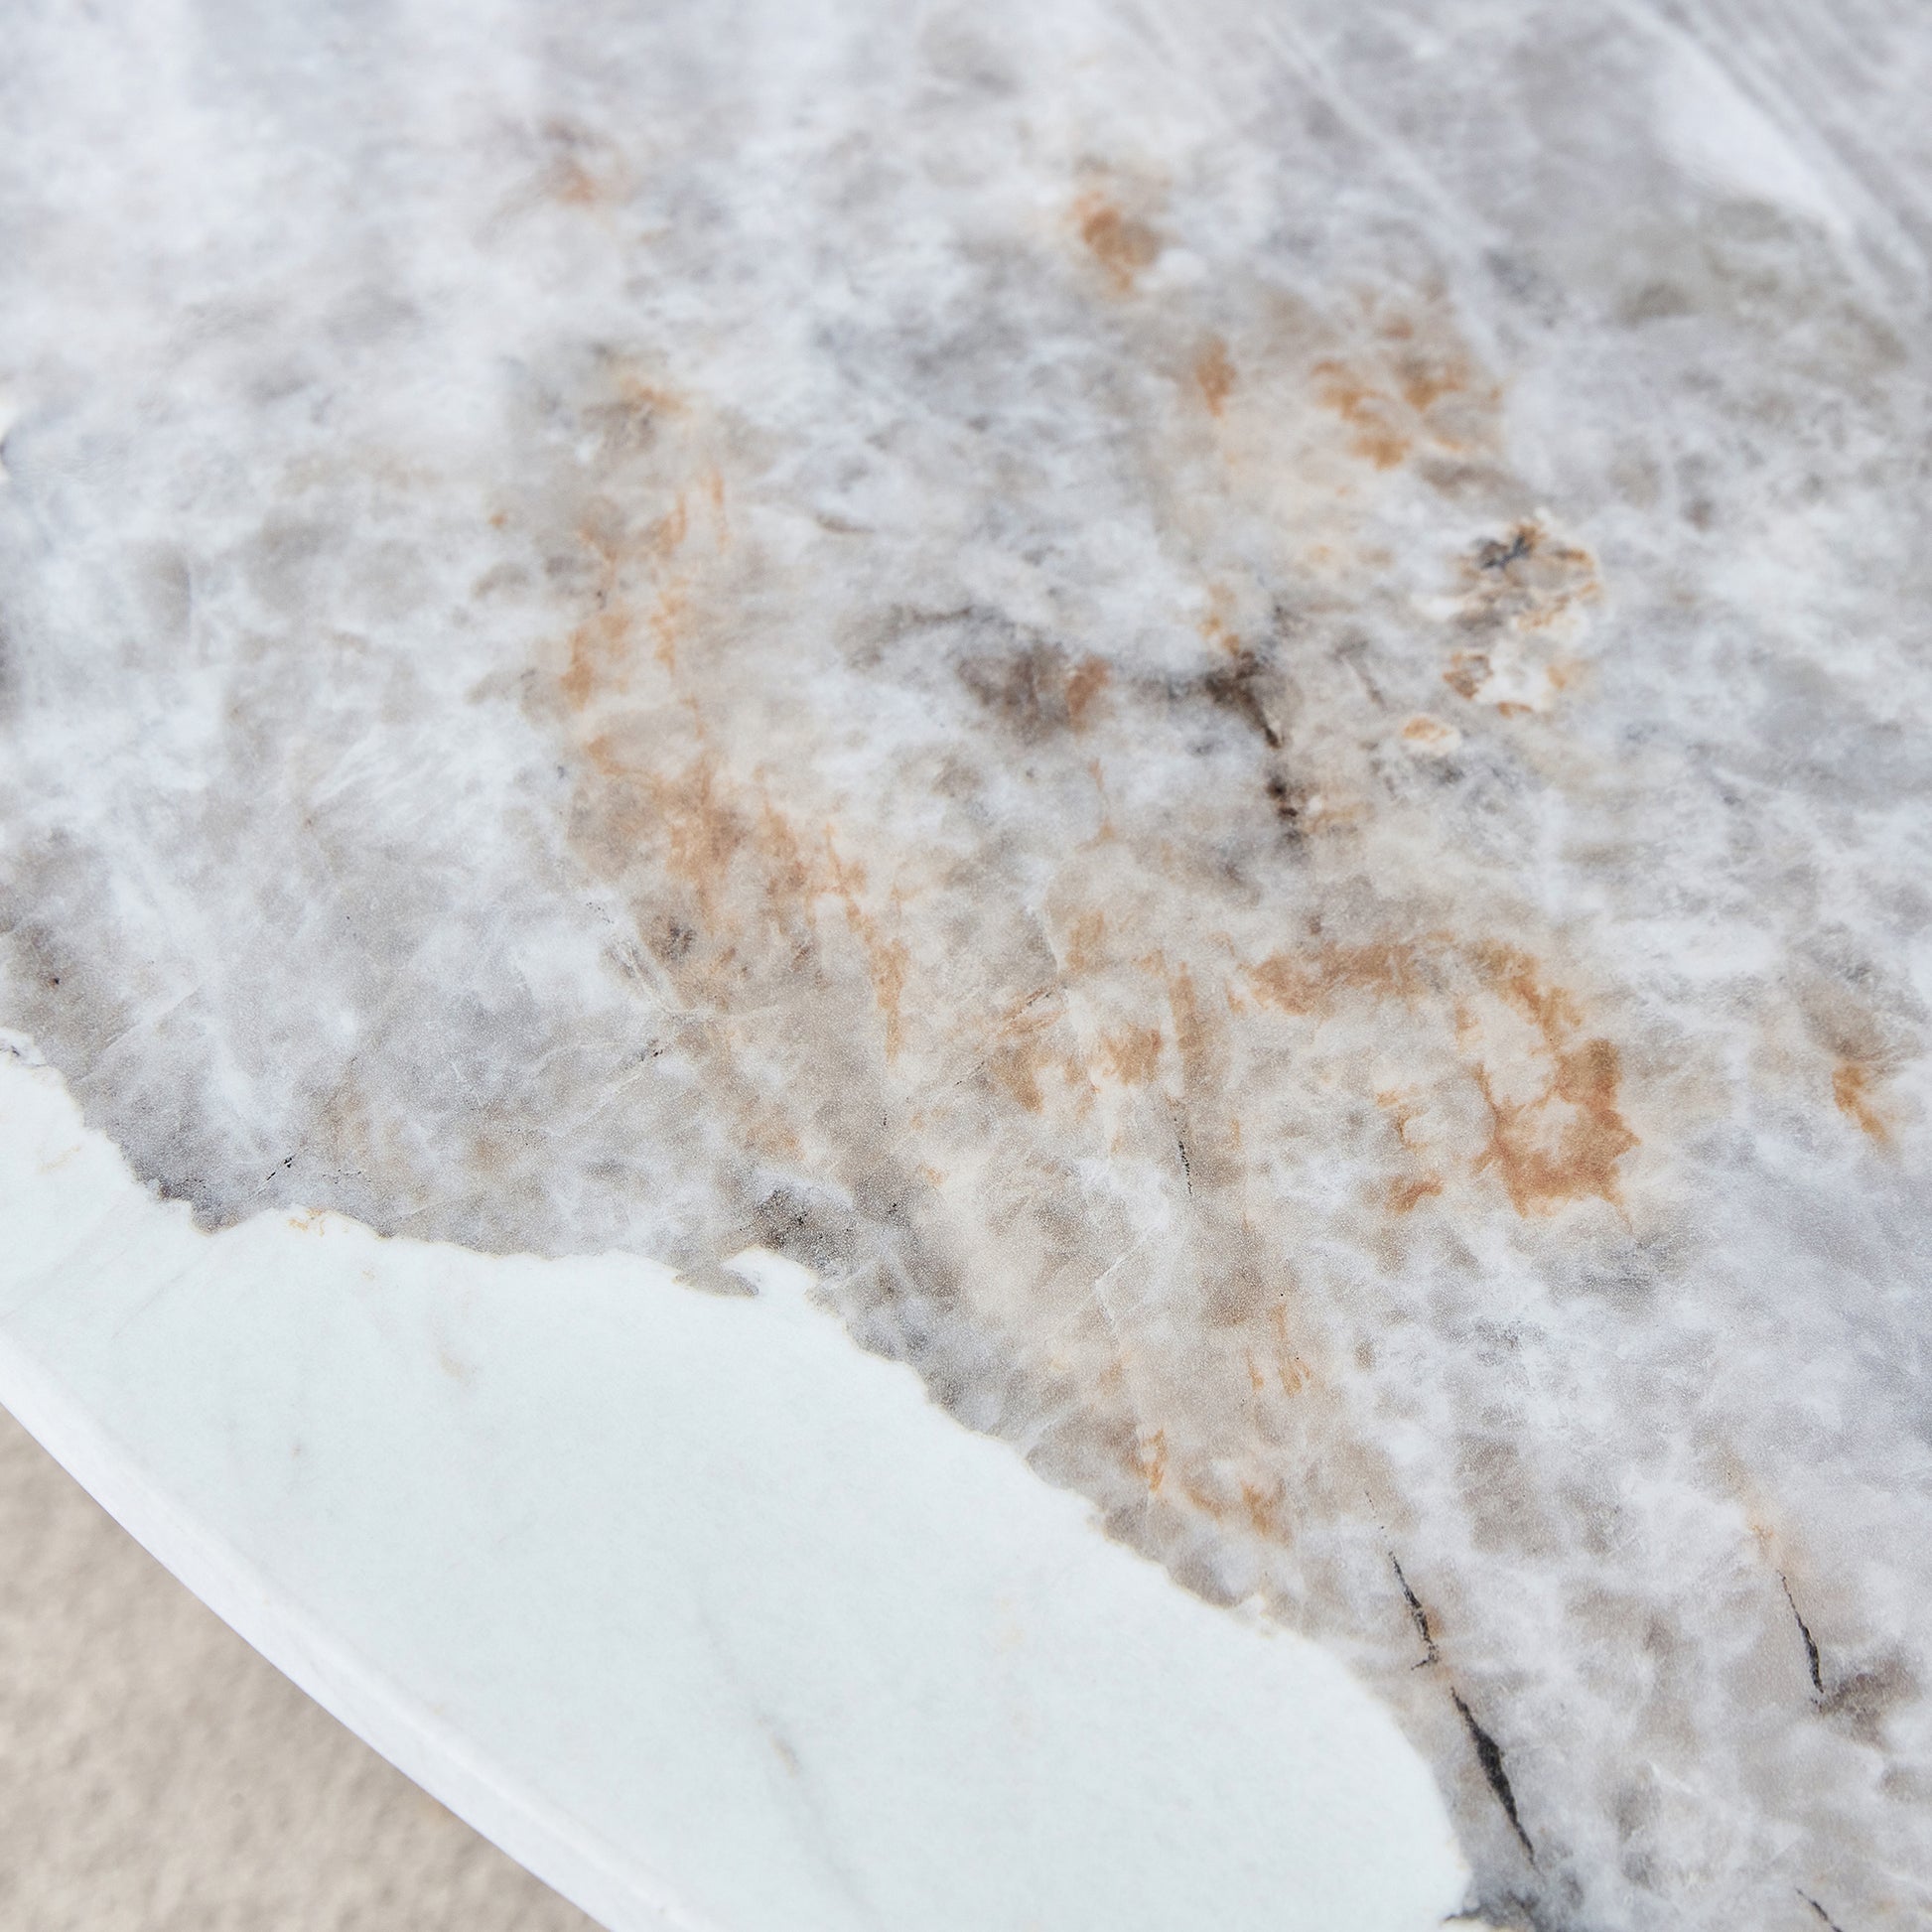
{"points": [[1226, 704]]}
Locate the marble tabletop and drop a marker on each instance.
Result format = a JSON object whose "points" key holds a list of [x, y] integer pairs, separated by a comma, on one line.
{"points": [[967, 966]]}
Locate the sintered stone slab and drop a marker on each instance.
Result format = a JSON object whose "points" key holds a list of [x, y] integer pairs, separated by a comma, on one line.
{"points": [[709, 1618], [1225, 706]]}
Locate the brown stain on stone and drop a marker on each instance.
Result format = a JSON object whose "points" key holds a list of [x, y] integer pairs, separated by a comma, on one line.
{"points": [[1379, 431], [1085, 941], [1308, 981], [886, 959], [1545, 1158], [1290, 1371], [1122, 244], [1264, 1506], [1151, 1461], [597, 649], [1246, 688], [1468, 672], [1387, 390], [1214, 374], [1132, 1054], [1422, 364], [1528, 575], [1428, 734], [788, 882], [1519, 597], [641, 588], [702, 832], [1853, 1085], [584, 169], [1564, 1143], [1085, 683], [1028, 1045], [1195, 1036], [1036, 690], [1404, 1197], [1556, 1131]]}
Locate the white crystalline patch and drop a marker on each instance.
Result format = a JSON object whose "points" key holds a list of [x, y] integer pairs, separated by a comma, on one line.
{"points": [[1726, 141]]}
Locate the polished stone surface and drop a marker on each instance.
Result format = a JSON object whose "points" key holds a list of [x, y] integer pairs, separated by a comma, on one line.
{"points": [[711, 1619], [1225, 706]]}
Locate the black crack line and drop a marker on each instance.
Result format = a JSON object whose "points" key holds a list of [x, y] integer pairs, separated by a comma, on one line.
{"points": [[1820, 1910], [1417, 1611], [1489, 1755], [1499, 556], [1811, 1645]]}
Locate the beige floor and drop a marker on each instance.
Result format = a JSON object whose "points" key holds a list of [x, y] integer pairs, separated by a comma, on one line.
{"points": [[157, 1775]]}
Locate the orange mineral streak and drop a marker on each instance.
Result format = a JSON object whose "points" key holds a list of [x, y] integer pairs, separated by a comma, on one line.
{"points": [[1214, 375], [887, 960], [1468, 672], [1520, 596], [1557, 1132], [1152, 1461], [599, 650], [1377, 420], [1425, 380], [1196, 1035], [1122, 244], [1084, 685], [1404, 1195], [1851, 1091], [1086, 942], [1307, 982], [1290, 1371], [1562, 1145], [1036, 694], [1132, 1054], [789, 884], [1029, 1042], [702, 833], [1411, 386], [1565, 1144], [1264, 1504]]}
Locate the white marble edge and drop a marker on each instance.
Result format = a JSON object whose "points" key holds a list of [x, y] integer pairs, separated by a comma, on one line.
{"points": [[944, 1697], [616, 1891]]}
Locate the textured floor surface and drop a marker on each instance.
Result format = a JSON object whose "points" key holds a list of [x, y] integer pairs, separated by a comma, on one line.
{"points": [[157, 1775]]}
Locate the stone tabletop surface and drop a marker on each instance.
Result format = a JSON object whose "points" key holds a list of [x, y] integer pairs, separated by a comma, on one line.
{"points": [[1224, 706]]}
